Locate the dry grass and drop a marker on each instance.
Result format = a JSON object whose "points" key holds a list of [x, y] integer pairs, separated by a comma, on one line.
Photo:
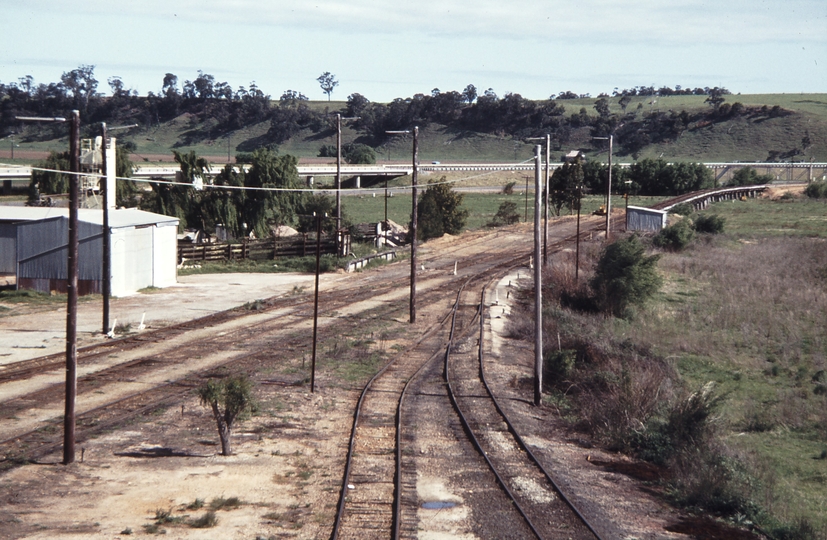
{"points": [[748, 315]]}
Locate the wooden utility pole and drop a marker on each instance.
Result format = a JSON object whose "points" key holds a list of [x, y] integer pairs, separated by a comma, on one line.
{"points": [[107, 238], [338, 176], [414, 219], [72, 289], [547, 139], [538, 284], [414, 211], [546, 201], [577, 241], [316, 302], [71, 282], [609, 193]]}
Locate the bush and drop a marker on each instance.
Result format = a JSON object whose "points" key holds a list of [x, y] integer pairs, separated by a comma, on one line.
{"points": [[683, 209], [440, 211], [675, 237], [709, 223], [507, 214], [816, 190], [747, 176], [508, 189], [625, 275], [558, 365], [206, 521]]}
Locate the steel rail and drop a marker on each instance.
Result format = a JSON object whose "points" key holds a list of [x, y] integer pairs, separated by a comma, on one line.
{"points": [[356, 416], [473, 438], [513, 430]]}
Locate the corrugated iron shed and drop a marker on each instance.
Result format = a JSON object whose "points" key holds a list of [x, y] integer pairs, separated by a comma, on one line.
{"points": [[144, 248], [645, 219]]}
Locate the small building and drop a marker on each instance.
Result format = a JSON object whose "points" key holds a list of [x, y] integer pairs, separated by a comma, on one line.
{"points": [[574, 155], [639, 218], [33, 248]]}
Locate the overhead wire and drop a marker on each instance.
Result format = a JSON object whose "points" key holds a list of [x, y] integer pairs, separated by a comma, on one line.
{"points": [[265, 189]]}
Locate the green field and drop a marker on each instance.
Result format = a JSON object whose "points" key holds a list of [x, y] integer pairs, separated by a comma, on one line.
{"points": [[481, 207]]}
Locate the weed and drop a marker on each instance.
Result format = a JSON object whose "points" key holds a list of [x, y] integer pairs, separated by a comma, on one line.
{"points": [[256, 305], [209, 519], [127, 531], [123, 328], [165, 516], [220, 503], [154, 528], [197, 504]]}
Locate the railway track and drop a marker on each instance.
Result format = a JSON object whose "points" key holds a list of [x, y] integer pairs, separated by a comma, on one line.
{"points": [[546, 509], [269, 336], [379, 496]]}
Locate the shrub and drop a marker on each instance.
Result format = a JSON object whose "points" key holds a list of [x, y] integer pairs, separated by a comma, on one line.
{"points": [[440, 211], [558, 365], [683, 209], [508, 189], [709, 223], [747, 176], [625, 275], [206, 521], [816, 190], [507, 214], [675, 237]]}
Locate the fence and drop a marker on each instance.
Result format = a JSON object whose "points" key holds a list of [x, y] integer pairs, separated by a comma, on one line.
{"points": [[297, 246]]}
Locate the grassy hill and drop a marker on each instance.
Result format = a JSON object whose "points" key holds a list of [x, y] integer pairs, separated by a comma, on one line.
{"points": [[748, 137]]}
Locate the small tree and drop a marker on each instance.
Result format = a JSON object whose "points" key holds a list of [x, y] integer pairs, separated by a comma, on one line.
{"points": [[229, 400], [747, 176], [440, 211], [709, 223], [507, 214], [356, 154], [675, 237], [51, 183], [328, 82], [625, 275], [816, 190]]}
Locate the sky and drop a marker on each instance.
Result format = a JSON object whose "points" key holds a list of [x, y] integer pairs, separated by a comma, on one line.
{"points": [[385, 49]]}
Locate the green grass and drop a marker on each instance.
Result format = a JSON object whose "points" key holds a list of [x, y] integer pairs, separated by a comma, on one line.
{"points": [[762, 217], [31, 297], [307, 264], [481, 206]]}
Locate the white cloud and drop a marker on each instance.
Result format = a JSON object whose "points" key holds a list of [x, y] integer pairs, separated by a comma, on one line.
{"points": [[666, 21]]}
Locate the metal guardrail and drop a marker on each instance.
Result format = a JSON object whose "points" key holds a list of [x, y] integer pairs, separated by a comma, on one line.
{"points": [[141, 171]]}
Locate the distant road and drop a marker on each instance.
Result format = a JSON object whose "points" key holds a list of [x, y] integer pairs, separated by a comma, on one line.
{"points": [[784, 172]]}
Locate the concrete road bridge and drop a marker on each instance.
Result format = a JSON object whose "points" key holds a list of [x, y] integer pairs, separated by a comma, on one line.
{"points": [[783, 172]]}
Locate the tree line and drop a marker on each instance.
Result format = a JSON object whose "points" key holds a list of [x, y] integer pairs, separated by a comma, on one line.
{"points": [[228, 109]]}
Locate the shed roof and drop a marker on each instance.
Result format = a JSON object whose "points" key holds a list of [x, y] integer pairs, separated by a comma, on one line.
{"points": [[126, 217]]}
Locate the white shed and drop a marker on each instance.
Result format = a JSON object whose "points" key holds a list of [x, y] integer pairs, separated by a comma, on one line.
{"points": [[144, 249], [639, 218]]}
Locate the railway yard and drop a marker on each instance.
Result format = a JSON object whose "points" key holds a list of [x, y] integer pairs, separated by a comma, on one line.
{"points": [[442, 442]]}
